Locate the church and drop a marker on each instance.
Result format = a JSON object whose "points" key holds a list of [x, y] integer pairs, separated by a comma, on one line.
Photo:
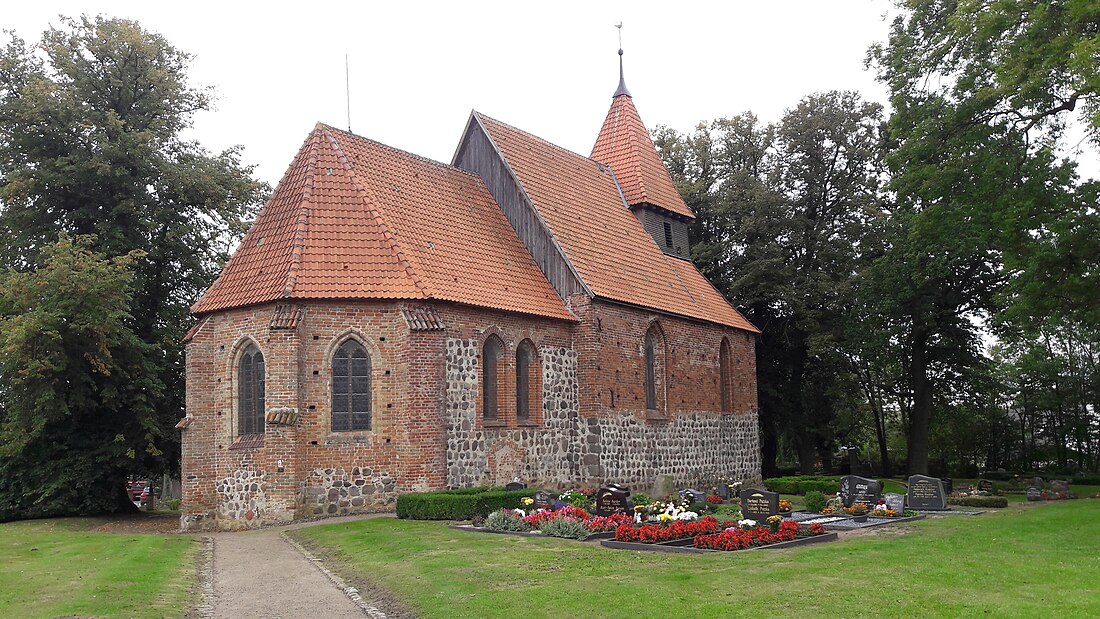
{"points": [[394, 324]]}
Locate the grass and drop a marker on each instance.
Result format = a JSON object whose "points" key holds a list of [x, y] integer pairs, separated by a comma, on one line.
{"points": [[1031, 561], [58, 567]]}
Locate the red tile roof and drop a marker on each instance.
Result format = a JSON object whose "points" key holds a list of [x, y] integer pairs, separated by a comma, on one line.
{"points": [[605, 242], [625, 146], [355, 219]]}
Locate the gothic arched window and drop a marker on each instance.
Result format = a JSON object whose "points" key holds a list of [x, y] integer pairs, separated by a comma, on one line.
{"points": [[526, 377], [250, 392], [351, 388], [725, 377], [491, 356]]}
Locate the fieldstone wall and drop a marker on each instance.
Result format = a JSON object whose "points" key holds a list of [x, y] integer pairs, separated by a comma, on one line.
{"points": [[566, 449], [242, 499], [336, 491]]}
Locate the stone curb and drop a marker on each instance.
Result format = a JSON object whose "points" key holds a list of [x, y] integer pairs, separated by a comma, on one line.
{"points": [[351, 592], [205, 609]]}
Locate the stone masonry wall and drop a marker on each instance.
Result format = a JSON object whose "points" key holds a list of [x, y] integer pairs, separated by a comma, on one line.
{"points": [[593, 430]]}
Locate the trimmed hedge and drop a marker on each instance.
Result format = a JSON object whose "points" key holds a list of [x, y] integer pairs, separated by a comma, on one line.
{"points": [[978, 501], [461, 504], [801, 484]]}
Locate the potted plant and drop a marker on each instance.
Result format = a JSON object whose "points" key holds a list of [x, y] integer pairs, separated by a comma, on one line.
{"points": [[785, 507]]}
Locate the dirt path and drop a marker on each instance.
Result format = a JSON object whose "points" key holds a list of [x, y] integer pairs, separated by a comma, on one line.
{"points": [[260, 574]]}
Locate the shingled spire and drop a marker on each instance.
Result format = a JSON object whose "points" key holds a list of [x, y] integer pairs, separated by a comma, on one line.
{"points": [[624, 145]]}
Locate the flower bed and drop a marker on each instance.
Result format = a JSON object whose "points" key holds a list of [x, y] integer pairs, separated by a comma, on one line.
{"points": [[710, 534], [675, 529], [568, 521]]}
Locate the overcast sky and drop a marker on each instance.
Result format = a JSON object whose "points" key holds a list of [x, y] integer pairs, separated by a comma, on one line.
{"points": [[417, 69]]}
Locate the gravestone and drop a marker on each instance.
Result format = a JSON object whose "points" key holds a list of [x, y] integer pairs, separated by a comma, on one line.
{"points": [[1037, 482], [855, 489], [1059, 486], [691, 495], [895, 502], [613, 499], [759, 504], [948, 485], [515, 485], [984, 485], [1034, 494], [543, 499], [926, 493], [723, 491]]}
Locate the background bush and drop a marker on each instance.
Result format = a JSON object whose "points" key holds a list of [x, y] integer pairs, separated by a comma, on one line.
{"points": [[800, 484], [978, 501], [461, 504]]}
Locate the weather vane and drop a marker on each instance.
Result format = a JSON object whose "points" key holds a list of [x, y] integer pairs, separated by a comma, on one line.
{"points": [[620, 27]]}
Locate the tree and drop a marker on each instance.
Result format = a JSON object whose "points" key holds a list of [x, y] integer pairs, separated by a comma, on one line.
{"points": [[76, 384], [981, 92], [90, 144], [784, 216]]}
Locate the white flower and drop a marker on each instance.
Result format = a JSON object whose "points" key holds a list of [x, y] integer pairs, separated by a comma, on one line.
{"points": [[687, 516], [746, 523], [519, 512]]}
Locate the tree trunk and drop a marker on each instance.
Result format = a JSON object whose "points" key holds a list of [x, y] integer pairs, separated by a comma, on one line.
{"points": [[921, 412]]}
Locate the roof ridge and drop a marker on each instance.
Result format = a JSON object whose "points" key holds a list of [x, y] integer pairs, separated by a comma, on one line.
{"points": [[395, 149], [543, 140], [298, 244], [368, 201]]}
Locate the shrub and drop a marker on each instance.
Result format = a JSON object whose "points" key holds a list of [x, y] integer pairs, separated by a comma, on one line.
{"points": [[505, 520], [815, 501], [461, 504], [641, 499], [564, 526], [172, 504], [978, 501], [801, 484]]}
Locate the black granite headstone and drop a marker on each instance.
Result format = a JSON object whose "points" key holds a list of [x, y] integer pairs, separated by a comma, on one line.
{"points": [[895, 502], [543, 499], [515, 485], [926, 493], [855, 489], [984, 485], [1034, 494], [613, 499], [723, 491], [948, 485], [691, 495], [759, 504]]}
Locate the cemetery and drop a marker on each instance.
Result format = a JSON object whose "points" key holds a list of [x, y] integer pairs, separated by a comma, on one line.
{"points": [[725, 517]]}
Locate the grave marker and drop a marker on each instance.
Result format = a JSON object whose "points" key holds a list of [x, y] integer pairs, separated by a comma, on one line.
{"points": [[723, 491], [948, 485], [984, 485], [926, 493], [613, 499], [542, 499], [693, 496], [759, 504], [515, 485], [1059, 486], [855, 489], [895, 502], [1034, 494]]}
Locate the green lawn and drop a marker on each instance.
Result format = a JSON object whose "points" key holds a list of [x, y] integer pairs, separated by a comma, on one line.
{"points": [[51, 568], [1040, 560]]}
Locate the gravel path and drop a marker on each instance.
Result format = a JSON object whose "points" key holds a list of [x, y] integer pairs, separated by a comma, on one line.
{"points": [[260, 574]]}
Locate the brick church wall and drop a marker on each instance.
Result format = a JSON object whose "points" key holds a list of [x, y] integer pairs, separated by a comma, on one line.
{"points": [[428, 428]]}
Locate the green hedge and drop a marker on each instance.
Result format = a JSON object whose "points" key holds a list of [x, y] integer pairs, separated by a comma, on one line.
{"points": [[978, 501], [801, 484], [461, 504]]}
